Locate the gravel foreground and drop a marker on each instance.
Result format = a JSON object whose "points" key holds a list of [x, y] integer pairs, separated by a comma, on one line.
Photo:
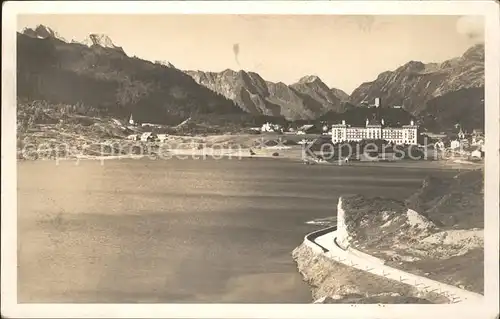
{"points": [[332, 282]]}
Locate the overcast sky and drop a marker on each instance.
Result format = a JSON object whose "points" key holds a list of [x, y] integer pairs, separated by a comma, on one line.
{"points": [[343, 51]]}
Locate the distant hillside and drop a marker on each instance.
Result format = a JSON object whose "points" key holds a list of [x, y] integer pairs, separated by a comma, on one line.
{"points": [[357, 116], [99, 77], [341, 95], [464, 107], [440, 204], [306, 99], [415, 84], [456, 202]]}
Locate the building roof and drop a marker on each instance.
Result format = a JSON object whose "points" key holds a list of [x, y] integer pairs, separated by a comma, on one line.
{"points": [[374, 121]]}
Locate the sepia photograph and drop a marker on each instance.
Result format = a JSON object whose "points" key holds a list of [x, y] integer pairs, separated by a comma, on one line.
{"points": [[229, 157]]}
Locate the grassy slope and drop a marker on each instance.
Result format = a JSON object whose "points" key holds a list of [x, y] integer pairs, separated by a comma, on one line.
{"points": [[465, 106]]}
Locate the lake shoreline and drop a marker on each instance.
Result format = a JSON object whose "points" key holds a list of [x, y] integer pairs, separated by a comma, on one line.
{"points": [[197, 156]]}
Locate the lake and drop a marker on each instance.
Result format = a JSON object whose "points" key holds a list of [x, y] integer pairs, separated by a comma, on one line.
{"points": [[177, 231]]}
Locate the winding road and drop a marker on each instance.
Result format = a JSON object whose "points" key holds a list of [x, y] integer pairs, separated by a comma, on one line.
{"points": [[323, 242]]}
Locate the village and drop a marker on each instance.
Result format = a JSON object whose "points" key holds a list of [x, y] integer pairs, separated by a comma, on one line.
{"points": [[459, 145]]}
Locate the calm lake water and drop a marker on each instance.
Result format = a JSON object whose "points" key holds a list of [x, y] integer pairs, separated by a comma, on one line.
{"points": [[177, 231]]}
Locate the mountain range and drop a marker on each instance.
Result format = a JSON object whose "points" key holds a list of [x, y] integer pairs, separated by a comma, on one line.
{"points": [[306, 99], [441, 95], [415, 83], [100, 75]]}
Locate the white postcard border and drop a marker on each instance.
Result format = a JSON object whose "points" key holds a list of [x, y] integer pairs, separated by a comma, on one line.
{"points": [[10, 308]]}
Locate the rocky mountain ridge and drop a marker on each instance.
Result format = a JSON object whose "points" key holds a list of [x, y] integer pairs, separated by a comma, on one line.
{"points": [[44, 32], [440, 94], [101, 40], [309, 98], [414, 84]]}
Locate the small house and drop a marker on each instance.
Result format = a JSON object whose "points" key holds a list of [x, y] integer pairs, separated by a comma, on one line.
{"points": [[267, 127], [147, 137], [133, 137], [461, 134], [476, 154], [477, 137], [270, 127], [454, 144], [162, 137], [477, 141], [439, 145], [464, 143]]}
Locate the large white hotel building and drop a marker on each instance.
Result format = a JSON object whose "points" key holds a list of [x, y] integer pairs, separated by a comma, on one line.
{"points": [[375, 129]]}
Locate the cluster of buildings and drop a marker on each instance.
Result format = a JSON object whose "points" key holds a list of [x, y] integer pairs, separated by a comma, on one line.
{"points": [[302, 130], [270, 127], [466, 140], [469, 143], [133, 122], [374, 128], [464, 144], [148, 137]]}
